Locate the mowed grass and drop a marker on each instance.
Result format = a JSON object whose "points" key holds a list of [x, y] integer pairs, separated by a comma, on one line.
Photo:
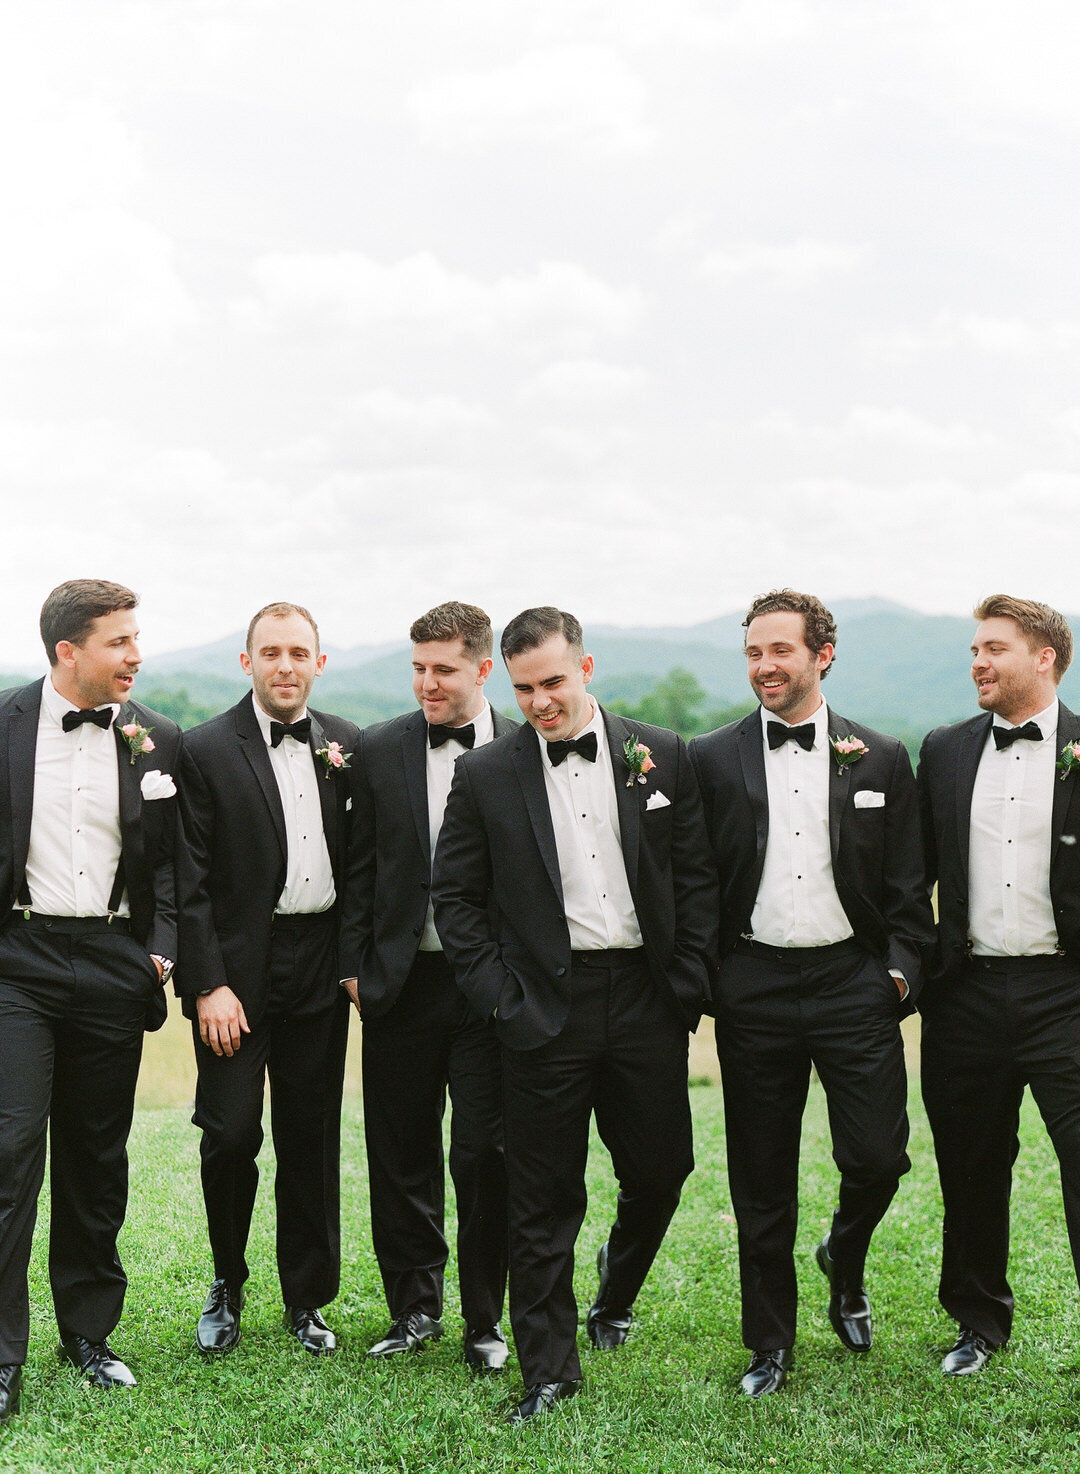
{"points": [[667, 1402]]}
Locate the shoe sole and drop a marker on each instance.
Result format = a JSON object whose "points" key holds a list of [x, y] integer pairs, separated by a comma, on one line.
{"points": [[212, 1351]]}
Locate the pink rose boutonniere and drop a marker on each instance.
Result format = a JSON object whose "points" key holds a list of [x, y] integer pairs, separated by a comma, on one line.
{"points": [[333, 756], [638, 759], [1069, 759], [138, 739], [848, 750]]}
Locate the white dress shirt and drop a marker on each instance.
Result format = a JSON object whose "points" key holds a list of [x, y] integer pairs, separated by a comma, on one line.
{"points": [[797, 904], [1010, 913], [75, 824], [584, 809], [440, 775], [309, 877]]}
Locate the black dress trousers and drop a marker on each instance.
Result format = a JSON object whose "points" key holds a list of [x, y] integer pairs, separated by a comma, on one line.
{"points": [[998, 1026], [431, 1040], [73, 1001], [776, 1017], [300, 1044], [622, 1053]]}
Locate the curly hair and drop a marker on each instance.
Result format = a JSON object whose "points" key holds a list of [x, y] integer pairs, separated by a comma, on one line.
{"points": [[819, 627]]}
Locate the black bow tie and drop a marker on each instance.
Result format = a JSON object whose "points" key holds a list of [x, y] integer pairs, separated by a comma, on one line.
{"points": [[585, 747], [101, 716], [1006, 736], [779, 733], [437, 735], [299, 731]]}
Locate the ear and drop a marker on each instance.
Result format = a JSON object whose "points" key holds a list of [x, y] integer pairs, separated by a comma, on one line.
{"points": [[65, 654], [245, 662], [484, 670], [588, 665]]}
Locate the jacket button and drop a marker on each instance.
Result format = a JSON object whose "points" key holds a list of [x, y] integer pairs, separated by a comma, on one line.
{"points": [[417, 931], [423, 885], [560, 972]]}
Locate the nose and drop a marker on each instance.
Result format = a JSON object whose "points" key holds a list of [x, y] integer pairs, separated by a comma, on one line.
{"points": [[134, 655]]}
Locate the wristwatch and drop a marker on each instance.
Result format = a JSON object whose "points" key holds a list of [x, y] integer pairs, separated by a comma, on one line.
{"points": [[166, 964]]}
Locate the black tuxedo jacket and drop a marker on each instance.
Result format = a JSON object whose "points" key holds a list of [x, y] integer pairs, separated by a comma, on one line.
{"points": [[498, 893], [147, 828], [948, 762], [389, 876], [876, 852], [232, 861]]}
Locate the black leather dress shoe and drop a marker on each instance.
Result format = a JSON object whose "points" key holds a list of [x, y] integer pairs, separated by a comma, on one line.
{"points": [[97, 1362], [767, 1372], [218, 1330], [487, 1351], [969, 1355], [849, 1308], [408, 1333], [606, 1323], [310, 1330], [541, 1398], [10, 1387]]}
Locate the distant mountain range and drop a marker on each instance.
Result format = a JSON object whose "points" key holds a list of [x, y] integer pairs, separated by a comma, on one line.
{"points": [[896, 669]]}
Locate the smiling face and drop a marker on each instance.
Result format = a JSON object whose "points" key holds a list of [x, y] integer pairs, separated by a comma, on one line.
{"points": [[448, 683], [1012, 677], [550, 684], [102, 669], [784, 672], [283, 664]]}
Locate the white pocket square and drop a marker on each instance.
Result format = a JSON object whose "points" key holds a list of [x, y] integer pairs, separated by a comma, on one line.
{"points": [[657, 800], [866, 798], [156, 784], [348, 804]]}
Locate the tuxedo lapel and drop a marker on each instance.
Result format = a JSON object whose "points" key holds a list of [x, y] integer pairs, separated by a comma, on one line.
{"points": [[22, 750], [752, 760], [839, 785], [257, 754], [618, 732], [967, 766], [130, 774], [414, 761], [326, 777], [1068, 730], [527, 760]]}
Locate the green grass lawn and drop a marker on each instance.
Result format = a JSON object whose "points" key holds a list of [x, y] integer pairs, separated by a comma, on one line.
{"points": [[667, 1401]]}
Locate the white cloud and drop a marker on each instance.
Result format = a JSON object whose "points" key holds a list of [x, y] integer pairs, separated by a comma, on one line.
{"points": [[578, 97], [584, 383], [795, 265], [949, 331]]}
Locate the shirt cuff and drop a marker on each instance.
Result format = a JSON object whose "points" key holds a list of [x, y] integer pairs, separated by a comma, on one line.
{"points": [[894, 972]]}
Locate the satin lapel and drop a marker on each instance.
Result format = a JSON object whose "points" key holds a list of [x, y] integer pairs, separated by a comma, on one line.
{"points": [[967, 765], [130, 773], [628, 796], [414, 760], [1068, 730], [752, 758], [839, 785], [22, 749], [327, 779], [258, 755], [527, 760]]}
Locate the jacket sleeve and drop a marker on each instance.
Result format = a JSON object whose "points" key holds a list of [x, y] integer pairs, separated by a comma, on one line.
{"points": [[358, 896], [163, 931], [200, 964], [696, 890], [460, 892], [905, 902]]}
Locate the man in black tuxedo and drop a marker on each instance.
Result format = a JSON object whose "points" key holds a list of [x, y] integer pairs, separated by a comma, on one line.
{"points": [[420, 1032], [259, 875], [1001, 820], [87, 936], [823, 922], [576, 903]]}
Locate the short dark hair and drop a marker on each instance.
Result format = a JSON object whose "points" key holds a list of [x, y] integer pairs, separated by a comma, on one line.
{"points": [[1038, 623], [533, 627], [819, 627], [455, 621], [281, 610], [71, 609]]}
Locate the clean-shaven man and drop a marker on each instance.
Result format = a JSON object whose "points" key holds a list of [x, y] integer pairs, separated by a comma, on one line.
{"points": [[823, 923], [577, 905], [1001, 818], [87, 937], [259, 876], [421, 1034]]}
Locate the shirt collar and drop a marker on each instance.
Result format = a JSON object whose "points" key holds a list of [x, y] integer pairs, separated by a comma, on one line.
{"points": [[819, 721], [264, 720], [1046, 721], [56, 706]]}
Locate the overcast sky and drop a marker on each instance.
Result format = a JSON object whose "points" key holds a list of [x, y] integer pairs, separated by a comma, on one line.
{"points": [[639, 308]]}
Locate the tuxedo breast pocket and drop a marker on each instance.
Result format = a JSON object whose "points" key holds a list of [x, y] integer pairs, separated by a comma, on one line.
{"points": [[868, 798]]}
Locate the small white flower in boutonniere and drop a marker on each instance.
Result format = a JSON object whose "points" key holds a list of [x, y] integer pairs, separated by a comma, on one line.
{"points": [[138, 739], [333, 756], [1069, 759], [638, 759], [848, 750]]}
